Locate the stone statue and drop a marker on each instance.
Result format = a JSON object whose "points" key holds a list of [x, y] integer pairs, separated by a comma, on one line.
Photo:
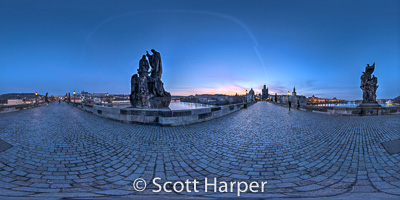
{"points": [[148, 91], [143, 72], [143, 66], [46, 98], [369, 85], [134, 89], [155, 63]]}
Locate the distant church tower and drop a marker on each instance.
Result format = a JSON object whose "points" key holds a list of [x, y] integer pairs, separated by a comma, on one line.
{"points": [[265, 93], [294, 91]]}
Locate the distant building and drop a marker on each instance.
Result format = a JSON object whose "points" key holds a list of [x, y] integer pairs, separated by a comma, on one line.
{"points": [[96, 100], [214, 99], [265, 93], [396, 100], [14, 101], [294, 98], [235, 99], [279, 98], [315, 101], [294, 91], [120, 100], [84, 93], [251, 95], [107, 99], [76, 100], [297, 99], [17, 97], [98, 94], [28, 101], [211, 97]]}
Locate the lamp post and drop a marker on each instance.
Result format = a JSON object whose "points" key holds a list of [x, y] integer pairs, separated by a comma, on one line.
{"points": [[74, 96], [288, 94], [36, 98], [246, 96]]}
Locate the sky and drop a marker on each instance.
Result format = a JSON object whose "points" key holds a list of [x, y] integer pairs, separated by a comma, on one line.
{"points": [[218, 46]]}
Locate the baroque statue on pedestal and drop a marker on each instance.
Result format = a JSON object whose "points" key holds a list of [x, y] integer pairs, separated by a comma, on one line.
{"points": [[147, 89], [369, 85]]}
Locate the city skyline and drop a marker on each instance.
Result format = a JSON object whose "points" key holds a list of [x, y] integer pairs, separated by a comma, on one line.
{"points": [[321, 48]]}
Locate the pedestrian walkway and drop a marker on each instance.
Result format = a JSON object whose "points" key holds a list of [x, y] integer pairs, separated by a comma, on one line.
{"points": [[60, 151]]}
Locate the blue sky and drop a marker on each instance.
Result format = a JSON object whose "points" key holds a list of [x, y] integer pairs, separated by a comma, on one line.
{"points": [[221, 46]]}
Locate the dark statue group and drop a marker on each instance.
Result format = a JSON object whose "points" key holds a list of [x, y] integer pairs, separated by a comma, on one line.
{"points": [[46, 98], [147, 89], [68, 96], [369, 85]]}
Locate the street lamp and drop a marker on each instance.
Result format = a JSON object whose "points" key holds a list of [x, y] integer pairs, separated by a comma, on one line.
{"points": [[246, 96], [74, 96], [36, 98], [288, 94]]}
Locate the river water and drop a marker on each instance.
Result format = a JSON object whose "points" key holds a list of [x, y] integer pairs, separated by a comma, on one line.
{"points": [[175, 105]]}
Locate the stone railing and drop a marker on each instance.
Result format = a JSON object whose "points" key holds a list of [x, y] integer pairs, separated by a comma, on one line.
{"points": [[336, 110], [164, 117], [13, 108]]}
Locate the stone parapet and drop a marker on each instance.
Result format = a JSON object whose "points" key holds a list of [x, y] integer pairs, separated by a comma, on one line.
{"points": [[353, 111], [164, 117], [13, 108], [350, 111]]}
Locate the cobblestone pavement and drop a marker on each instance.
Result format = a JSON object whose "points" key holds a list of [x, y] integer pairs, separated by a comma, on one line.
{"points": [[61, 151]]}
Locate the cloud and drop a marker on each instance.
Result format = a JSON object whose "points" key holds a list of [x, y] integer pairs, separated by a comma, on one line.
{"points": [[229, 89]]}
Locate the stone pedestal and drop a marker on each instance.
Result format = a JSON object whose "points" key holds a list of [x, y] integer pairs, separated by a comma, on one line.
{"points": [[369, 105], [370, 108], [160, 102]]}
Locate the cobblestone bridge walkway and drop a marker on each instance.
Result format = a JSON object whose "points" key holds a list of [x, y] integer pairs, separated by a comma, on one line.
{"points": [[61, 151]]}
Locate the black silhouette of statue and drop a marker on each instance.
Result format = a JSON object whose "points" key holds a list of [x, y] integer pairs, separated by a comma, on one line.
{"points": [[148, 91], [155, 63], [46, 98], [143, 65], [369, 84]]}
